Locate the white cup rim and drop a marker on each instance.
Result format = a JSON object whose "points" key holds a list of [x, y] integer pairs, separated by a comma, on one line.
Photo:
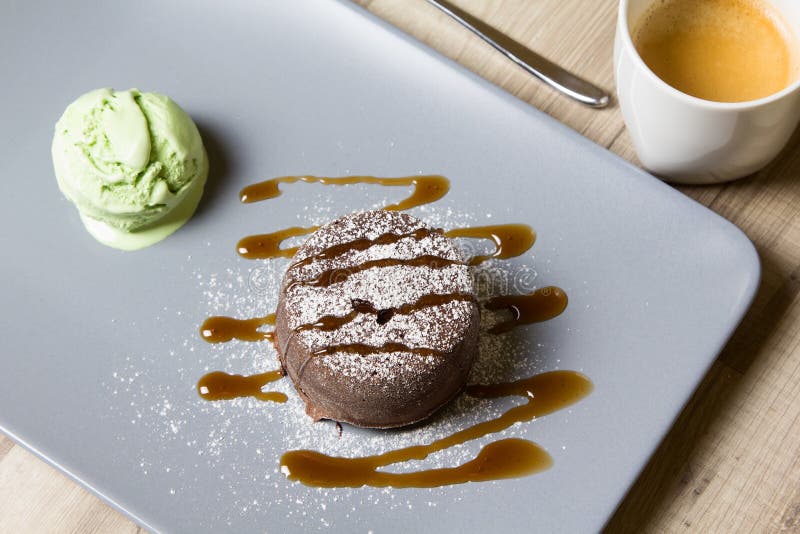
{"points": [[622, 20]]}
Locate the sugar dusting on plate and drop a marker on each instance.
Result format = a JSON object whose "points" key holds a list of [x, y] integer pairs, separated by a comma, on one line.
{"points": [[237, 444]]}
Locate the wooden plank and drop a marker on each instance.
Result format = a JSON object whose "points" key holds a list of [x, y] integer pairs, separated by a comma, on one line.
{"points": [[34, 497]]}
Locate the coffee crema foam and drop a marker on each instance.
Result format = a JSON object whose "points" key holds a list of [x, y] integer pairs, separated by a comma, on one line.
{"points": [[719, 50]]}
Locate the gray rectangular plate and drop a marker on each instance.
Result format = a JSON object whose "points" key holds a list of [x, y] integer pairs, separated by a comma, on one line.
{"points": [[101, 351]]}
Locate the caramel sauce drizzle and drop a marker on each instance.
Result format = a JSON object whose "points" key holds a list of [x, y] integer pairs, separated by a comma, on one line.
{"points": [[223, 386], [220, 329], [544, 393], [362, 349], [266, 246], [333, 276], [427, 189], [332, 322], [541, 305], [358, 245], [510, 240], [508, 458]]}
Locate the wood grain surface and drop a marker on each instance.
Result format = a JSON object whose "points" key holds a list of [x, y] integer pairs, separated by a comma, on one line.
{"points": [[731, 463]]}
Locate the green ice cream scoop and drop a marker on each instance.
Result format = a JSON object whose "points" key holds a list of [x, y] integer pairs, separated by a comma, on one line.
{"points": [[133, 163]]}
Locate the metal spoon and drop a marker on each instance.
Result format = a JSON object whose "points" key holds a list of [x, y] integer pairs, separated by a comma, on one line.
{"points": [[547, 71]]}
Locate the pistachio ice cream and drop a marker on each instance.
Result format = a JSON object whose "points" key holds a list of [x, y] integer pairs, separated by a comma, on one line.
{"points": [[133, 164]]}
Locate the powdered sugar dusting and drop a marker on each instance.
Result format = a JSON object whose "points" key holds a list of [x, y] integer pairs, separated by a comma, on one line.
{"points": [[435, 328], [441, 327], [233, 447], [383, 287]]}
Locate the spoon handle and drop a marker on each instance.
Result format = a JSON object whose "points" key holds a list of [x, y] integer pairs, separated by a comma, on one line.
{"points": [[556, 77]]}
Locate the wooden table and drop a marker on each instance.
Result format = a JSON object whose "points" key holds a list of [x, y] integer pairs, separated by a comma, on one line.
{"points": [[732, 460]]}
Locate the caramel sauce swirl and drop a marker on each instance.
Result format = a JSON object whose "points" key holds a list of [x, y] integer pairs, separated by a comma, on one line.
{"points": [[362, 349], [223, 386], [505, 458], [267, 246], [220, 329], [510, 240], [544, 394], [541, 305], [427, 189], [358, 245], [333, 276], [383, 316]]}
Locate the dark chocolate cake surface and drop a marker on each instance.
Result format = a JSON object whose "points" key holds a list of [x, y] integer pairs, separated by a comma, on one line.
{"points": [[377, 322]]}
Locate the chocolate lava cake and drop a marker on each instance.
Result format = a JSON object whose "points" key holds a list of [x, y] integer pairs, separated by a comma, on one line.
{"points": [[377, 322]]}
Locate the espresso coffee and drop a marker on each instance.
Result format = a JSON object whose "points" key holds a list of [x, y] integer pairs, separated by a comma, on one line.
{"points": [[720, 50]]}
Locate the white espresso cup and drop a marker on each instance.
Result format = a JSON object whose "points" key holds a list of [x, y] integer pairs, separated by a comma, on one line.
{"points": [[694, 141]]}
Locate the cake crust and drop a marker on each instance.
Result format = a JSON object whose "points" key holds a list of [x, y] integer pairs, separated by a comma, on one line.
{"points": [[377, 323]]}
